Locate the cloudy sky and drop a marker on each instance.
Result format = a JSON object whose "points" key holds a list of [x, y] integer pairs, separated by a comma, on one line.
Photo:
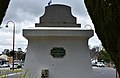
{"points": [[25, 13]]}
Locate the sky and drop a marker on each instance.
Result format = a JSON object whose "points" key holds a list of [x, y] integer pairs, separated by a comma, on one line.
{"points": [[25, 13]]}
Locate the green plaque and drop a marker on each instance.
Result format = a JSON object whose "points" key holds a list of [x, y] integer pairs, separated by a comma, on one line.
{"points": [[58, 52]]}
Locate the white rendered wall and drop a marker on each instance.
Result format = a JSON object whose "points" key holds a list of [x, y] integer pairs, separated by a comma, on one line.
{"points": [[58, 28], [75, 64]]}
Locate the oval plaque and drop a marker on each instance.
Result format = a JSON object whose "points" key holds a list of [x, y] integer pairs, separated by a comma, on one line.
{"points": [[58, 52]]}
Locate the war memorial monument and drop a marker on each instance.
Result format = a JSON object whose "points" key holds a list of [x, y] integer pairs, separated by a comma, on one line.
{"points": [[57, 46]]}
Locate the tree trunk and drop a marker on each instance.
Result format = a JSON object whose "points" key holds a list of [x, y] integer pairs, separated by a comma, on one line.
{"points": [[3, 7], [105, 15]]}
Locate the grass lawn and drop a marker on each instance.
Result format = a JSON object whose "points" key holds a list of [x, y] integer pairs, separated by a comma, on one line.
{"points": [[5, 72]]}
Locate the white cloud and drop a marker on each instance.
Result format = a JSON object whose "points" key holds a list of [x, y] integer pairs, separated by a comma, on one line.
{"points": [[25, 13], [94, 41]]}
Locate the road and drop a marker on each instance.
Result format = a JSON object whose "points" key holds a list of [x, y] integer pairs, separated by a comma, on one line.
{"points": [[7, 73], [98, 72], [12, 75], [104, 72]]}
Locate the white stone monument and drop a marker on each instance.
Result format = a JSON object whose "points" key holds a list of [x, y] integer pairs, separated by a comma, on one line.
{"points": [[57, 46]]}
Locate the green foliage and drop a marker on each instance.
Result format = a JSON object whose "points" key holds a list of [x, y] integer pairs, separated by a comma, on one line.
{"points": [[19, 54], [105, 56], [4, 73], [26, 74], [105, 15]]}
